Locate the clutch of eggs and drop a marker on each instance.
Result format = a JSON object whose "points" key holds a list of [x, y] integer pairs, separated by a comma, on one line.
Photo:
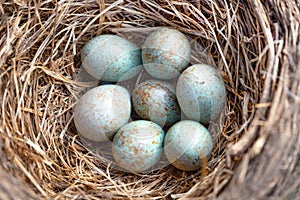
{"points": [[102, 113]]}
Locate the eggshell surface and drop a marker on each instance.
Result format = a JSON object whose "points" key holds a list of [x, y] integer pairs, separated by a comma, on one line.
{"points": [[201, 93], [111, 58], [138, 145], [165, 53], [156, 101], [187, 144], [101, 111]]}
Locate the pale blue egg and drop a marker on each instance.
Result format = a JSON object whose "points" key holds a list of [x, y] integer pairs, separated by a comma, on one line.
{"points": [[101, 111], [138, 146], [165, 53], [201, 93], [187, 144], [111, 58], [156, 101]]}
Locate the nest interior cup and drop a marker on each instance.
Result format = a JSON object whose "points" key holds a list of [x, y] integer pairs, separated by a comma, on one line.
{"points": [[254, 45]]}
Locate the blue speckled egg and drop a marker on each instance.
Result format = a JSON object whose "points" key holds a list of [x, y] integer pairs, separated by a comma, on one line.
{"points": [[156, 101], [101, 111], [111, 58], [165, 53], [201, 93], [138, 145], [187, 144]]}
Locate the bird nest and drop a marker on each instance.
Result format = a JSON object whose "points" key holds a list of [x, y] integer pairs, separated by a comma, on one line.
{"points": [[254, 44]]}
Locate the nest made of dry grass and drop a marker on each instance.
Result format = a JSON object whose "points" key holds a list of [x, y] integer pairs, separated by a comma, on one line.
{"points": [[254, 44]]}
